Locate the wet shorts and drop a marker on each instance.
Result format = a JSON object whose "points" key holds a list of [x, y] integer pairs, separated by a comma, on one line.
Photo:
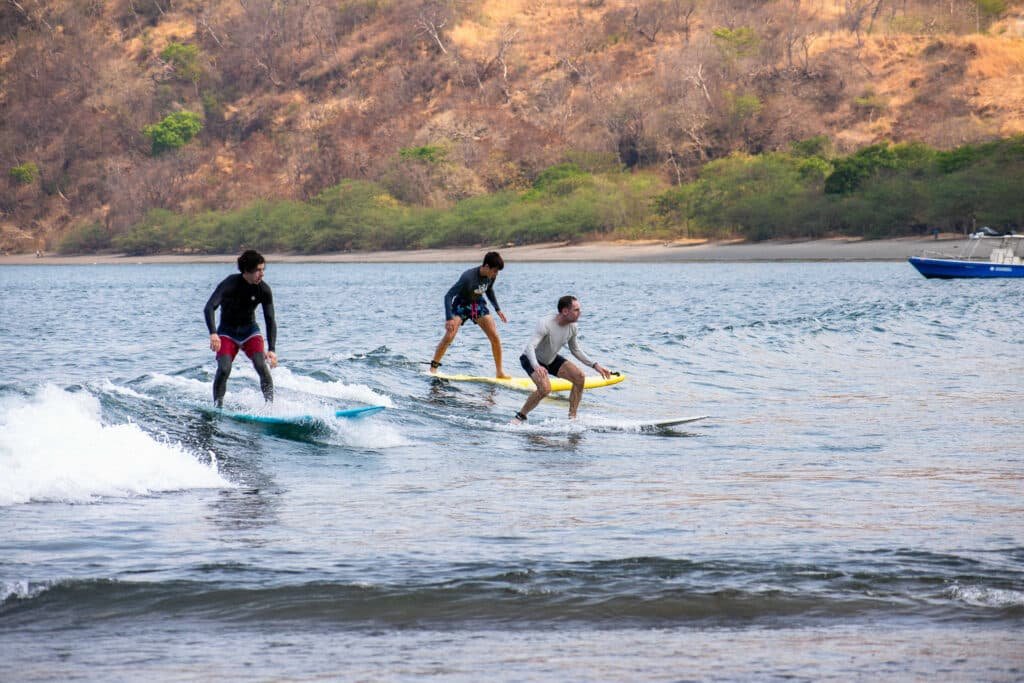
{"points": [[250, 341], [553, 367], [470, 311]]}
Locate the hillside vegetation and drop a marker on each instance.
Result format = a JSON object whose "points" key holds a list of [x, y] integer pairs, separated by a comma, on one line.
{"points": [[155, 125]]}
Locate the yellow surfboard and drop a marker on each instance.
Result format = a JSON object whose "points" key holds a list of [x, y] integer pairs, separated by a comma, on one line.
{"points": [[526, 384]]}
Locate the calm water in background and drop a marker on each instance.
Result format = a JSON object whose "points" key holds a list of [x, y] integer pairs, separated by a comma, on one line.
{"points": [[852, 508]]}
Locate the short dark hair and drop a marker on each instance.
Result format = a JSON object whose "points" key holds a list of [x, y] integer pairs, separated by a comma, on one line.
{"points": [[492, 259], [249, 261], [565, 302]]}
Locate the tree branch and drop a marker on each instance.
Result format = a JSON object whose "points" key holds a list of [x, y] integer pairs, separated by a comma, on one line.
{"points": [[432, 28]]}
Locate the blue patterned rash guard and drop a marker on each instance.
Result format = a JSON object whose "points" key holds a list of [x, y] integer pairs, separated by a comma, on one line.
{"points": [[470, 287]]}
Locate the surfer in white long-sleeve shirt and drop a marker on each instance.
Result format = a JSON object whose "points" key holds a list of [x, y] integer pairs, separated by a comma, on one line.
{"points": [[541, 357]]}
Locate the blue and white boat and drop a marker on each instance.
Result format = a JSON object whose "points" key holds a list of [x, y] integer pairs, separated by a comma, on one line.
{"points": [[985, 256]]}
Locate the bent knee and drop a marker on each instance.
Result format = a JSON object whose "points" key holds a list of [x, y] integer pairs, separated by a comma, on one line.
{"points": [[577, 379]]}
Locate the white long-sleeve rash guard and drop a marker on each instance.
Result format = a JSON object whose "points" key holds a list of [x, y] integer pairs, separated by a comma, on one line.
{"points": [[549, 338]]}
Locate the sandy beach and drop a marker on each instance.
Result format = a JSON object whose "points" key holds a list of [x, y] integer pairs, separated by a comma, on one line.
{"points": [[837, 249]]}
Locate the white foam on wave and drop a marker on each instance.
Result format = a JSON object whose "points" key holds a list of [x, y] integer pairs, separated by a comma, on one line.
{"points": [[55, 447], [302, 396], [546, 427], [285, 378], [244, 381], [983, 596], [366, 432], [21, 590], [108, 387], [553, 426]]}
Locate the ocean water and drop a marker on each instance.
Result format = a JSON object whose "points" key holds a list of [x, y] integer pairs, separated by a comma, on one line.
{"points": [[851, 509]]}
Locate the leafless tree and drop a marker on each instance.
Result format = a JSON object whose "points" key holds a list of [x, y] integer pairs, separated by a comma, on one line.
{"points": [[648, 18], [497, 61], [855, 12], [431, 22], [683, 11], [32, 11]]}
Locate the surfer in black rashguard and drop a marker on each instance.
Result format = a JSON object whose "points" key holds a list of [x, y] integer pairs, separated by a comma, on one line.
{"points": [[237, 296], [465, 301]]}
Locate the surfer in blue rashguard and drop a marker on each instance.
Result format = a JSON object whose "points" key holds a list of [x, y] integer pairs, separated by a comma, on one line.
{"points": [[465, 301], [541, 359], [237, 296]]}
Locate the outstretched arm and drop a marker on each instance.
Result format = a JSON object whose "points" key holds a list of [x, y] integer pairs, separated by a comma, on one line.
{"points": [[577, 350], [494, 302]]}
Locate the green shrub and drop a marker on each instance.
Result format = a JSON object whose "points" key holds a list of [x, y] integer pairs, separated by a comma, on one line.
{"points": [[174, 131], [991, 8], [870, 103], [817, 146], [159, 232], [850, 172], [25, 174], [85, 239], [743, 107], [742, 41], [431, 154], [185, 60], [561, 179], [878, 191]]}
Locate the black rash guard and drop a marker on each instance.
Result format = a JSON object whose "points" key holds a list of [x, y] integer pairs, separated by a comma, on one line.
{"points": [[469, 288], [238, 300]]}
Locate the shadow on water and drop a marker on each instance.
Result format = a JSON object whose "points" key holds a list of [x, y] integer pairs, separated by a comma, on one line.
{"points": [[569, 443], [249, 509], [445, 392], [312, 431]]}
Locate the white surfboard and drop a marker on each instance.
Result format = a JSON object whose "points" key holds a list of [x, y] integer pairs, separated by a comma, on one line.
{"points": [[671, 422], [605, 425], [647, 425]]}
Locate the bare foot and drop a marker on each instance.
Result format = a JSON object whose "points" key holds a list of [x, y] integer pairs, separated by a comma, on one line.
{"points": [[502, 375]]}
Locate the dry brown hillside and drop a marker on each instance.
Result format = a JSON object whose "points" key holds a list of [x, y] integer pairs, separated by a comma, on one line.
{"points": [[295, 96]]}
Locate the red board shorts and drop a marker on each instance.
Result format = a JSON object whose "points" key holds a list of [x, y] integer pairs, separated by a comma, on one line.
{"points": [[251, 346]]}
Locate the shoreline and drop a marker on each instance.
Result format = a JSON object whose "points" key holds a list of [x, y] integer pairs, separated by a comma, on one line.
{"points": [[619, 251]]}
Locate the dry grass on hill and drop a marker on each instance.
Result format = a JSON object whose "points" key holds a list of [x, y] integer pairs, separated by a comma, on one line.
{"points": [[298, 98]]}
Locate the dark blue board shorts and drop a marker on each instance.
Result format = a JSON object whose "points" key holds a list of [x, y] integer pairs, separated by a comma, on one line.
{"points": [[470, 310]]}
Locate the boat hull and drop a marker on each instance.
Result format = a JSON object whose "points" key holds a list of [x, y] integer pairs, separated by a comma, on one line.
{"points": [[952, 268]]}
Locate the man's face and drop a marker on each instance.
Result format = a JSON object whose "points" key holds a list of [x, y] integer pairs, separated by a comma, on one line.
{"points": [[572, 313], [254, 277], [489, 272]]}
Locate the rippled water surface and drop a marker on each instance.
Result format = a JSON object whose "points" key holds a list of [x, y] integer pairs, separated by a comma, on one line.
{"points": [[850, 509]]}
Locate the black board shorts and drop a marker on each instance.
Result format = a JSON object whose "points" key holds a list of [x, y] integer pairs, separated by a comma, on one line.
{"points": [[553, 367]]}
